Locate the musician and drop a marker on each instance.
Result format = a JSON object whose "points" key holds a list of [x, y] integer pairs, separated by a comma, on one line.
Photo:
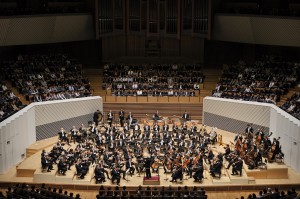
{"points": [[231, 159], [73, 132], [261, 133], [227, 151], [276, 144], [115, 175], [136, 130], [186, 116], [215, 167], [175, 128], [156, 116], [108, 159], [62, 166], [156, 129], [93, 128], [147, 129], [198, 175], [189, 163], [129, 119], [47, 162], [97, 117], [130, 166], [165, 127], [62, 135], [110, 116], [82, 134], [126, 129], [99, 174], [115, 130], [81, 168], [237, 166], [147, 165], [99, 140], [213, 135], [177, 173], [249, 131], [184, 128], [121, 117]]}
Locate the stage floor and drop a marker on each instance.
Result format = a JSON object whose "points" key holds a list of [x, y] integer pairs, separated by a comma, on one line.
{"points": [[33, 164]]}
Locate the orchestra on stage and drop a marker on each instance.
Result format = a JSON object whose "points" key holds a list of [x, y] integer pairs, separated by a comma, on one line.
{"points": [[117, 148]]}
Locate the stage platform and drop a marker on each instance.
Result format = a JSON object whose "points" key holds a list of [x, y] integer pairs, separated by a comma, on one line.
{"points": [[29, 171]]}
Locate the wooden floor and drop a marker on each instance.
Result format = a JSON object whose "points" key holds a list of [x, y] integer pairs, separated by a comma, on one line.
{"points": [[31, 172]]}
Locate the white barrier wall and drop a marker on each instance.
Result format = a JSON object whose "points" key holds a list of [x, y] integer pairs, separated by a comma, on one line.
{"points": [[234, 115], [39, 121]]}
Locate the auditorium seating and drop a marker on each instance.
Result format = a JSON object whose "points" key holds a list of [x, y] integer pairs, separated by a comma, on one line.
{"points": [[44, 77], [9, 102], [292, 105], [152, 80], [267, 80]]}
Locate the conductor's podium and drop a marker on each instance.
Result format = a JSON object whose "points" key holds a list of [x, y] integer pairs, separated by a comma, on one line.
{"points": [[154, 180]]}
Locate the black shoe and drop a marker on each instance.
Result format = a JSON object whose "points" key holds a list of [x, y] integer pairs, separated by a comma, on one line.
{"points": [[48, 170], [232, 174]]}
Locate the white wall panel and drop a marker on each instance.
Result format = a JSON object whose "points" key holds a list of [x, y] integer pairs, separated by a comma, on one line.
{"points": [[61, 109], [19, 131]]}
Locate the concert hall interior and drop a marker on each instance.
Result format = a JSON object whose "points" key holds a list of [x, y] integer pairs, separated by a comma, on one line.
{"points": [[150, 99]]}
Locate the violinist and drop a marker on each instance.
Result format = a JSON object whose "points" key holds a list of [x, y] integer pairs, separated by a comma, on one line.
{"points": [[99, 174], [231, 159], [81, 168], [130, 166], [177, 173], [115, 175], [62, 166]]}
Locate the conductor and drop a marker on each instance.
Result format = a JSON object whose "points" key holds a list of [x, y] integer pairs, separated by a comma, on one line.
{"points": [[147, 165]]}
